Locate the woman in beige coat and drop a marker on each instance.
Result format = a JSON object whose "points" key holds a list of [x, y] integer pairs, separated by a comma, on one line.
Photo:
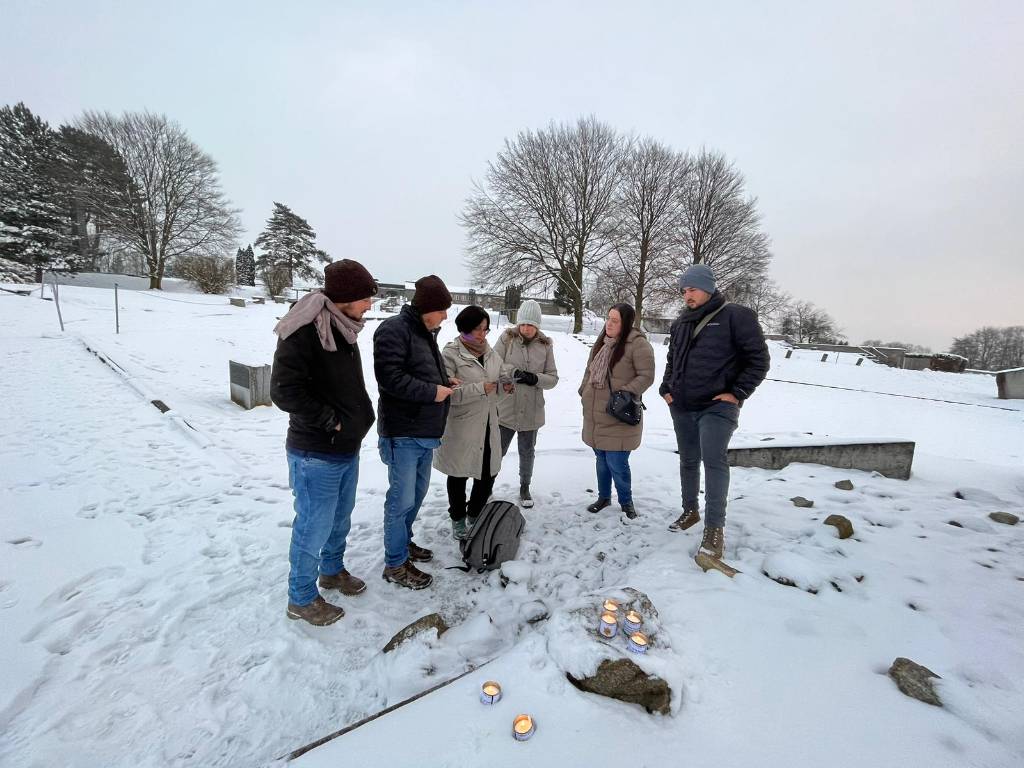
{"points": [[529, 362], [471, 444], [623, 353]]}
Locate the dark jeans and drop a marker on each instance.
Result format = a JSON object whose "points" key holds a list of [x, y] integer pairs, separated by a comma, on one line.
{"points": [[527, 451], [482, 488], [704, 436], [614, 465]]}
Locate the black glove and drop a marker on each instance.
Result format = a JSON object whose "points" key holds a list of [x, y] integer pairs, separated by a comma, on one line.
{"points": [[525, 377]]}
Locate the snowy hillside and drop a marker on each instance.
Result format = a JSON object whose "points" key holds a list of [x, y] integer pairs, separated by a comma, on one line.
{"points": [[144, 563]]}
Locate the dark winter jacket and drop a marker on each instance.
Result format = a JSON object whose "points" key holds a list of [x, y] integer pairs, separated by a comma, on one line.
{"points": [[319, 390], [728, 355], [408, 367]]}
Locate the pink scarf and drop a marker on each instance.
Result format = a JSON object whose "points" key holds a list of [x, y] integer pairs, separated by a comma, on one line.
{"points": [[316, 308]]}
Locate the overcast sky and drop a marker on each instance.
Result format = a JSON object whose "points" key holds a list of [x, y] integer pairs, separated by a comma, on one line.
{"points": [[883, 139]]}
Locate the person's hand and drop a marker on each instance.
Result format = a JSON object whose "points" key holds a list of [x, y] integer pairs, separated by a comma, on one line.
{"points": [[443, 393], [490, 387], [337, 427], [508, 387], [727, 397], [454, 382], [526, 377], [668, 397]]}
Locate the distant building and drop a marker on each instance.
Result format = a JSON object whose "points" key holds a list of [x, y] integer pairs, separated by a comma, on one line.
{"points": [[464, 296]]}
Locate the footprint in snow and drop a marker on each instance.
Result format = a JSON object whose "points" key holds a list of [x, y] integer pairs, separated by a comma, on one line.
{"points": [[25, 542]]}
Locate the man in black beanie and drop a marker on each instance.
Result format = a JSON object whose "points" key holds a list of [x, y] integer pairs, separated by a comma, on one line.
{"points": [[413, 406], [318, 379]]}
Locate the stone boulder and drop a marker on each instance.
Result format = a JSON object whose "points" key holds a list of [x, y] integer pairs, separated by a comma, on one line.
{"points": [[1004, 517], [844, 485], [421, 625], [841, 524], [800, 501], [915, 681], [623, 680]]}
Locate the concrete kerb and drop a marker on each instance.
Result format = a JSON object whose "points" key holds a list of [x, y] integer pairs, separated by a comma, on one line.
{"points": [[892, 458]]}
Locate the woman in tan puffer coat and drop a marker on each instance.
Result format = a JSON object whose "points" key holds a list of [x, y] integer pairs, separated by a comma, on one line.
{"points": [[625, 356], [529, 362]]}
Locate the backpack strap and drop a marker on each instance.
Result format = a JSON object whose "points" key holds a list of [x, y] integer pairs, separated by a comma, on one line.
{"points": [[707, 319]]}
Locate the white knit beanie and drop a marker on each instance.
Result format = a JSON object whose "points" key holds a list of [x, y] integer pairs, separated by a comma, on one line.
{"points": [[529, 314]]}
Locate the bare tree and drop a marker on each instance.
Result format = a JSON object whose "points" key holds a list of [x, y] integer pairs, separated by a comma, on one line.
{"points": [[763, 295], [645, 227], [806, 323], [721, 226], [175, 206], [542, 214]]}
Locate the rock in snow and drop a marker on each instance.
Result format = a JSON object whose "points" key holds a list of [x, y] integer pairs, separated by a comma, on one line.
{"points": [[1004, 517], [915, 681], [422, 624], [844, 485], [842, 524], [800, 501]]}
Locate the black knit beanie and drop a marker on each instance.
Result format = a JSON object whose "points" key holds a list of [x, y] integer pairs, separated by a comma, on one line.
{"points": [[471, 317]]}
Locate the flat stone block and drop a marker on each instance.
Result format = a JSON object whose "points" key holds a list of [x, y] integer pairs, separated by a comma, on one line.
{"points": [[250, 384], [893, 458]]}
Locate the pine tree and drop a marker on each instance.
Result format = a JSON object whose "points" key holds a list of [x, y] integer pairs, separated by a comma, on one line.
{"points": [[289, 246], [31, 216], [245, 266]]}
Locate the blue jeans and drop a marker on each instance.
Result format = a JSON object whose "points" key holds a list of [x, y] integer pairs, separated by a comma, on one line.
{"points": [[704, 436], [614, 465], [324, 487], [408, 460]]}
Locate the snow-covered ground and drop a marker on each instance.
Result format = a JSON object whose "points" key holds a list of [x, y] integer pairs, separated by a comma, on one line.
{"points": [[144, 559]]}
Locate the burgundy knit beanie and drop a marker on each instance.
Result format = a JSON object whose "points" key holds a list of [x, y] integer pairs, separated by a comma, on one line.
{"points": [[431, 295], [348, 280]]}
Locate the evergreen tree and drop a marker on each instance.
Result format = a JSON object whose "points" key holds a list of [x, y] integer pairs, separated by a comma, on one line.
{"points": [[31, 217], [245, 266], [288, 245]]}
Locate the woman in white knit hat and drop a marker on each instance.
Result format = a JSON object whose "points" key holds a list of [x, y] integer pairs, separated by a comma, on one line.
{"points": [[529, 362]]}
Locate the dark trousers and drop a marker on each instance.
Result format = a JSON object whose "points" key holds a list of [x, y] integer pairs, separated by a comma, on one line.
{"points": [[527, 451], [703, 437], [482, 488]]}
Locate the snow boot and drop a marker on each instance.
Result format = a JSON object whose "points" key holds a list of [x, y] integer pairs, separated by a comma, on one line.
{"points": [[419, 554], [685, 521], [600, 504], [344, 582], [319, 613], [524, 495], [460, 529], [629, 511], [713, 543], [407, 575]]}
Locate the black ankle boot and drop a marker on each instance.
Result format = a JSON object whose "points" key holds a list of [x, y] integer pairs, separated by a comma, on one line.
{"points": [[600, 504]]}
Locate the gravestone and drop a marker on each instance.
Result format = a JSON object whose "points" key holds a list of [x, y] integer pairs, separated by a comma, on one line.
{"points": [[237, 302], [250, 384], [259, 300]]}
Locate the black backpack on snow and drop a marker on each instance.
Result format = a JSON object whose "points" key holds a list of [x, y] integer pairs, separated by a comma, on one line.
{"points": [[495, 537]]}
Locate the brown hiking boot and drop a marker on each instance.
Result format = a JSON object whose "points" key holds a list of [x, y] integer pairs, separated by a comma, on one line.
{"points": [[319, 613], [344, 582], [407, 575], [713, 543], [419, 554], [688, 519]]}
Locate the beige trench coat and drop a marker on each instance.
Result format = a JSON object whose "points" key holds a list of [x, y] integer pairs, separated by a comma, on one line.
{"points": [[523, 410], [633, 373], [462, 446]]}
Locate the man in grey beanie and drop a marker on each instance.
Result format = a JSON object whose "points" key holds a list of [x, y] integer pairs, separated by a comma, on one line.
{"points": [[717, 356]]}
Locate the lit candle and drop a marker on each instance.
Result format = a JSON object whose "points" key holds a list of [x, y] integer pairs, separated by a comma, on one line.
{"points": [[632, 622], [610, 606], [609, 626], [490, 692], [523, 727], [638, 642]]}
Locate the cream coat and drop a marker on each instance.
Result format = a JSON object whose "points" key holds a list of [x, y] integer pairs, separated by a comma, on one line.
{"points": [[633, 373], [462, 445], [523, 410]]}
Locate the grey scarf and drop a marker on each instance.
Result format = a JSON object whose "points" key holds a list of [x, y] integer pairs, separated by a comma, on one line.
{"points": [[599, 365], [316, 308]]}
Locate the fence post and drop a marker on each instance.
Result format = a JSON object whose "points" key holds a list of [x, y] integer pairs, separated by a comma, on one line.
{"points": [[56, 301], [117, 312]]}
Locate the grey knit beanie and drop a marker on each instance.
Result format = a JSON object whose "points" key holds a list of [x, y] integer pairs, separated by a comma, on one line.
{"points": [[698, 276], [529, 314]]}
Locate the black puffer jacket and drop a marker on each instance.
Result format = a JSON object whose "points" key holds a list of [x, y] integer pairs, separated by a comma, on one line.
{"points": [[319, 390], [728, 355], [408, 367]]}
